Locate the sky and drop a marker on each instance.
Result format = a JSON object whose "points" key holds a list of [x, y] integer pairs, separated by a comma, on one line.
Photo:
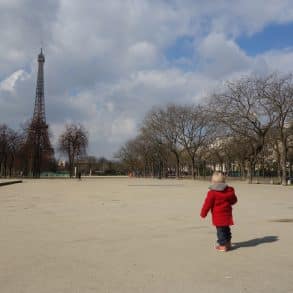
{"points": [[108, 62]]}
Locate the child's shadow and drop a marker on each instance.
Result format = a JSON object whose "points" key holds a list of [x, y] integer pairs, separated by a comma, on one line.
{"points": [[255, 242]]}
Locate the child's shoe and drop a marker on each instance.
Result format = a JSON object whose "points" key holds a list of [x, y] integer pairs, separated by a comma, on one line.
{"points": [[221, 248]]}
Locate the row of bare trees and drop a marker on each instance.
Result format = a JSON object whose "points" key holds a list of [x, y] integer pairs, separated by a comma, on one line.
{"points": [[248, 127], [16, 156], [11, 146]]}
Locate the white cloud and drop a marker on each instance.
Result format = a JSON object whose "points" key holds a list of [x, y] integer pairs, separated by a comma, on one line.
{"points": [[220, 56], [121, 128], [279, 60], [106, 64], [143, 53], [9, 83]]}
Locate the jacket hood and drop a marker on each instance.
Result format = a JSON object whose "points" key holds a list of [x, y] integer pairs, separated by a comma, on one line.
{"points": [[218, 186]]}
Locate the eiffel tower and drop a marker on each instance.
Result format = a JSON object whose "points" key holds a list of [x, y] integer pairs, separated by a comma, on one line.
{"points": [[38, 136]]}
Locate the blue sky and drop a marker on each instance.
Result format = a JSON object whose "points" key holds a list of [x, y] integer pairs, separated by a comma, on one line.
{"points": [[110, 61], [181, 47], [272, 37]]}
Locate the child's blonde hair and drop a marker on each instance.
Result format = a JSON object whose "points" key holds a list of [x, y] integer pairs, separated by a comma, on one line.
{"points": [[218, 177]]}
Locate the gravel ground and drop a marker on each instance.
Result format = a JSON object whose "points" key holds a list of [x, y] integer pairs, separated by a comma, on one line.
{"points": [[141, 235]]}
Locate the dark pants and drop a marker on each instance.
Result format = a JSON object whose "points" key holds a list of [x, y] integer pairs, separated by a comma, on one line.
{"points": [[224, 234]]}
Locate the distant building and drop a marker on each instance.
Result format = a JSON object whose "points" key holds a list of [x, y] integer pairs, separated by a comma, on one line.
{"points": [[61, 164]]}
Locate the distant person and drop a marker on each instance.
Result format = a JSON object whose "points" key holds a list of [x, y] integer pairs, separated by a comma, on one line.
{"points": [[79, 175], [219, 201]]}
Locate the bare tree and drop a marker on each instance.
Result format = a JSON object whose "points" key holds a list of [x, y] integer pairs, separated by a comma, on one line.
{"points": [[15, 140], [162, 125], [195, 129], [3, 148], [280, 100], [156, 153], [130, 156], [290, 153], [73, 142], [145, 155], [243, 108], [10, 146]]}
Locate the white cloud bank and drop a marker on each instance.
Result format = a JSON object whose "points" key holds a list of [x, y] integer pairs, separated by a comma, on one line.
{"points": [[106, 62]]}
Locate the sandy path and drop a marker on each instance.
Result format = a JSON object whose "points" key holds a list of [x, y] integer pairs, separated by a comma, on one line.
{"points": [[132, 235]]}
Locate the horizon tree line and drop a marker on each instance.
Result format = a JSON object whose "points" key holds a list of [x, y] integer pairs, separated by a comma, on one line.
{"points": [[16, 157], [16, 150], [246, 127]]}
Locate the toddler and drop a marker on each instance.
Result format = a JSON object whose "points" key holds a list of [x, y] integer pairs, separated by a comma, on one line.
{"points": [[219, 201]]}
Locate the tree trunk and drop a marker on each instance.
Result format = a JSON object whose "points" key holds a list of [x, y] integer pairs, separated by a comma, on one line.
{"points": [[5, 167], [283, 163], [193, 167], [279, 173], [242, 170], [164, 169], [279, 166], [250, 172], [177, 165], [10, 169], [145, 169], [228, 168], [153, 169], [11, 164], [70, 167], [1, 167]]}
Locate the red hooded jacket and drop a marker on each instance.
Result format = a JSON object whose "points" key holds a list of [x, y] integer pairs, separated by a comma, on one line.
{"points": [[219, 200]]}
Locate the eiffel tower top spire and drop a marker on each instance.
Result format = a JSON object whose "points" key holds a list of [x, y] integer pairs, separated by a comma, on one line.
{"points": [[39, 110], [41, 57]]}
